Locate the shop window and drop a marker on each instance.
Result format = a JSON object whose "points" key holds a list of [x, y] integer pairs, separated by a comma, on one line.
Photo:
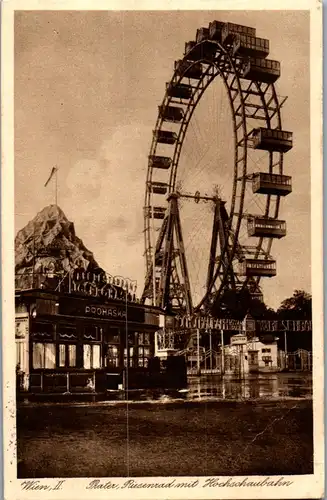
{"points": [[42, 331], [144, 338], [143, 356], [112, 356], [44, 355], [131, 353], [92, 332], [112, 336], [267, 360], [131, 339], [67, 332], [91, 356], [67, 355]]}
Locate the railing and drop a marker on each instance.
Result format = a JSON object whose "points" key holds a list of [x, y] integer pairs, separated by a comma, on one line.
{"points": [[206, 362]]}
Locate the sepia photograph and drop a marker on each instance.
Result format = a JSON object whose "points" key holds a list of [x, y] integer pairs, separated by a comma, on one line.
{"points": [[166, 228]]}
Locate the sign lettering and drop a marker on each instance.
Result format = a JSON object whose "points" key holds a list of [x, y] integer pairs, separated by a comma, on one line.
{"points": [[239, 339], [111, 311], [102, 285], [105, 312], [285, 325], [207, 322]]}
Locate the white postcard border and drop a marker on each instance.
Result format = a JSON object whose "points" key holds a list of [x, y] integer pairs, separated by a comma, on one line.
{"points": [[302, 486]]}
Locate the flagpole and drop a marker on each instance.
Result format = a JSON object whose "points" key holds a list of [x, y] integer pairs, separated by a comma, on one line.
{"points": [[54, 173]]}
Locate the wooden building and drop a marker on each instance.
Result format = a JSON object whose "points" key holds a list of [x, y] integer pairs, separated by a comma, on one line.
{"points": [[82, 339]]}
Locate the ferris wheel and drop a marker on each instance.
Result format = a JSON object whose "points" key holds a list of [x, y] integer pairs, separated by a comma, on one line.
{"points": [[215, 172]]}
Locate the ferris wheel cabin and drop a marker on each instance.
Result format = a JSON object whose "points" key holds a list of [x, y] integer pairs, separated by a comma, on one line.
{"points": [[158, 212], [215, 28], [229, 30], [250, 46], [159, 187], [171, 113], [181, 90], [195, 51], [263, 183], [163, 162], [272, 139], [266, 227], [183, 67], [202, 34], [261, 70], [165, 137], [258, 267], [245, 44]]}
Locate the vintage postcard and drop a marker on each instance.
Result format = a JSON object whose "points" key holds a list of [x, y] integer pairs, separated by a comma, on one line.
{"points": [[162, 263]]}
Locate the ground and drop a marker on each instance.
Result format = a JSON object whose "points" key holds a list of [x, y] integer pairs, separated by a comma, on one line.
{"points": [[165, 439]]}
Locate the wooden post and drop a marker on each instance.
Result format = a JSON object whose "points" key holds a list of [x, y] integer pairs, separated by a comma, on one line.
{"points": [[198, 351]]}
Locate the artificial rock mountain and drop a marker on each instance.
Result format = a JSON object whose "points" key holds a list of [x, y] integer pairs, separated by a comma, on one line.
{"points": [[49, 244]]}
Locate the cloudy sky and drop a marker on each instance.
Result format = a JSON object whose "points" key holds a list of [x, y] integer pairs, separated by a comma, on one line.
{"points": [[87, 89]]}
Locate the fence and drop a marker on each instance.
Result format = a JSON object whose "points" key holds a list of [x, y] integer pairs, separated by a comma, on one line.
{"points": [[205, 361], [300, 360], [214, 362]]}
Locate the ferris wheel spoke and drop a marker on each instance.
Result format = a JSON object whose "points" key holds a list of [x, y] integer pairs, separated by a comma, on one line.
{"points": [[196, 143], [197, 130]]}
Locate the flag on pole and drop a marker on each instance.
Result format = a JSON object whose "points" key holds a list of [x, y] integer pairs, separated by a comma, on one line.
{"points": [[53, 171]]}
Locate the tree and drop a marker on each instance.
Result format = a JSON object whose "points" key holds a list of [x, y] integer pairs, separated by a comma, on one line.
{"points": [[236, 304], [299, 306]]}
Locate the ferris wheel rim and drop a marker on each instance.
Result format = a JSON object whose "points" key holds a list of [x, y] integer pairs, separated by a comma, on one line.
{"points": [[177, 79]]}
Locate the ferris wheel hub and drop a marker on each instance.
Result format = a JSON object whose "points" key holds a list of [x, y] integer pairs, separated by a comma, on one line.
{"points": [[196, 197]]}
